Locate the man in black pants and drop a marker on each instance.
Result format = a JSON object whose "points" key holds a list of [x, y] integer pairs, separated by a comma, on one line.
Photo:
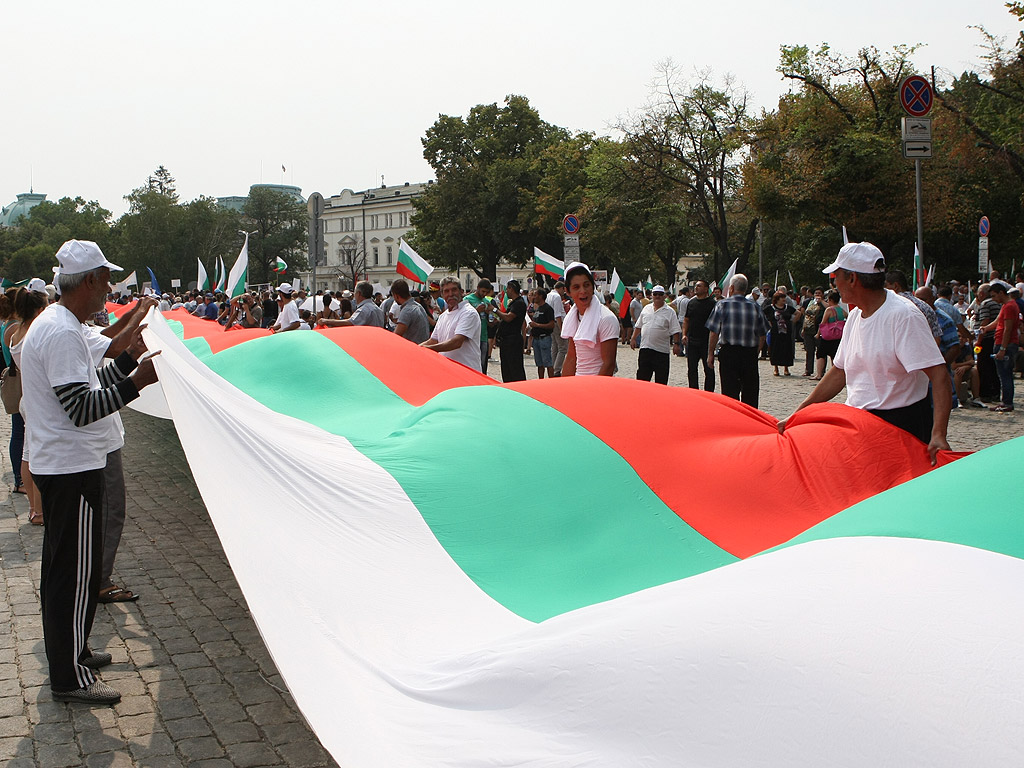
{"points": [[742, 328], [510, 334], [67, 404], [695, 336]]}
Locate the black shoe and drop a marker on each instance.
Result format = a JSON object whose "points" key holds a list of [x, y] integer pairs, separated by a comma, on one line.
{"points": [[96, 693], [97, 659]]}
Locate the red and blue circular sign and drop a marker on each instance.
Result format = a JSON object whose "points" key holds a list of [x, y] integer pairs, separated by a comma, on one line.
{"points": [[571, 224], [916, 96], [984, 226]]}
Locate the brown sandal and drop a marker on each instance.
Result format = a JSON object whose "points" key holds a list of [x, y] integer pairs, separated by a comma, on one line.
{"points": [[35, 518], [117, 595]]}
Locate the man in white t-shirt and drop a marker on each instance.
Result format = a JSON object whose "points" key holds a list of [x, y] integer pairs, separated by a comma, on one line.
{"points": [[658, 330], [457, 333], [288, 312], [67, 405], [887, 356]]}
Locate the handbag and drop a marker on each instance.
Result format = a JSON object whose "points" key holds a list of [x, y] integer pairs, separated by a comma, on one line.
{"points": [[10, 389], [833, 330]]}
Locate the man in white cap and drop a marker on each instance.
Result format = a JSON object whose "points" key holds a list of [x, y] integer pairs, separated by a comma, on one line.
{"points": [[887, 356], [67, 404], [288, 312], [658, 330]]}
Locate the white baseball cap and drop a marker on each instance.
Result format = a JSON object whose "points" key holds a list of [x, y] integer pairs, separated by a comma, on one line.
{"points": [[577, 265], [658, 289], [36, 285], [77, 256], [857, 257], [285, 288]]}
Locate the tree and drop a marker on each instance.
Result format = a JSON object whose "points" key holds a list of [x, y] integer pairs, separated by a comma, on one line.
{"points": [[691, 135], [28, 250], [278, 223], [472, 216], [152, 233]]}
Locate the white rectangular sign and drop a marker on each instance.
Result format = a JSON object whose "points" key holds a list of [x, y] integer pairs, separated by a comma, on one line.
{"points": [[916, 128], [983, 254], [917, 150]]}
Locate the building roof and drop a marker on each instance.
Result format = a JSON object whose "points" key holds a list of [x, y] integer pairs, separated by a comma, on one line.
{"points": [[26, 201]]}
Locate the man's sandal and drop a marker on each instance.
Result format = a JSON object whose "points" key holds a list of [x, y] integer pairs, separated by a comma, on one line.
{"points": [[117, 595]]}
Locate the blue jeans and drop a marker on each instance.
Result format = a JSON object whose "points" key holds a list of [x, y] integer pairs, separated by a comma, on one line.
{"points": [[17, 446], [1004, 368]]}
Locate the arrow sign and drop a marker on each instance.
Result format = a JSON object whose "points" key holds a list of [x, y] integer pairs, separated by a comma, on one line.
{"points": [[917, 149]]}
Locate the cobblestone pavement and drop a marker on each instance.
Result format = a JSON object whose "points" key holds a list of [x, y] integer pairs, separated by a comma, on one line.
{"points": [[199, 686]]}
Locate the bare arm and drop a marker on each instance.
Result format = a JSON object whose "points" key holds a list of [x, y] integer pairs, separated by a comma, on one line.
{"points": [[453, 343], [608, 350], [831, 384], [569, 364], [942, 402]]}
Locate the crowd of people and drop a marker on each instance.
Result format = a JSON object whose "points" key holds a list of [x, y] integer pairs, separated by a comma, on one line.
{"points": [[908, 357]]}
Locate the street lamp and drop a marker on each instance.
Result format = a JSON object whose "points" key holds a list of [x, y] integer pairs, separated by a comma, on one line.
{"points": [[362, 208]]}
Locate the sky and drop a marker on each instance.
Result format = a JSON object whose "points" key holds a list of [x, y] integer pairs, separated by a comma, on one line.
{"points": [[95, 96]]}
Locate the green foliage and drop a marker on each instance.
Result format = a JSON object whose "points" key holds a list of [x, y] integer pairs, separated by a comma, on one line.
{"points": [[28, 249], [691, 135], [473, 216], [279, 225], [167, 236]]}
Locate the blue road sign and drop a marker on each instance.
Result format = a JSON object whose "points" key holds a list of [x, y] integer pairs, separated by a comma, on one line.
{"points": [[916, 96], [571, 224], [984, 226]]}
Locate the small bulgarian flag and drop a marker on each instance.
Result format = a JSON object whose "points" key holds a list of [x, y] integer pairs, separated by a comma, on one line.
{"points": [[546, 264], [919, 271], [620, 293], [5, 283], [411, 264], [279, 265]]}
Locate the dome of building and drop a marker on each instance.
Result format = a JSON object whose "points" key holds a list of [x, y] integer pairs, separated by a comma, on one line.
{"points": [[26, 201]]}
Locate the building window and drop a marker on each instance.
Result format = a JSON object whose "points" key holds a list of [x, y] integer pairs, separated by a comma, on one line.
{"points": [[376, 256], [389, 253]]}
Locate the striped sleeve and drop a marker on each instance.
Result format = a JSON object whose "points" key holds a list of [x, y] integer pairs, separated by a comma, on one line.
{"points": [[84, 405], [117, 370]]}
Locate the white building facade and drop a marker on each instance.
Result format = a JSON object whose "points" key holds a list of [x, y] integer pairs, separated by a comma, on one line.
{"points": [[362, 231]]}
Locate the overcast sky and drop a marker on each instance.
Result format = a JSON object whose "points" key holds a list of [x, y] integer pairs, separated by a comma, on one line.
{"points": [[96, 95]]}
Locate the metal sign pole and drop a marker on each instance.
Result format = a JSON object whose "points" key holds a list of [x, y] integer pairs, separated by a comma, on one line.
{"points": [[920, 210]]}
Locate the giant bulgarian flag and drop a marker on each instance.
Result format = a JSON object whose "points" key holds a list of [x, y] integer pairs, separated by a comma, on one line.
{"points": [[411, 265], [546, 264], [848, 613], [620, 292]]}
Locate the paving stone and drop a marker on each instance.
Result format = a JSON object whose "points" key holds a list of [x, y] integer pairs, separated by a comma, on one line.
{"points": [[110, 760], [15, 726], [202, 748], [15, 746], [103, 741], [58, 756], [250, 754]]}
